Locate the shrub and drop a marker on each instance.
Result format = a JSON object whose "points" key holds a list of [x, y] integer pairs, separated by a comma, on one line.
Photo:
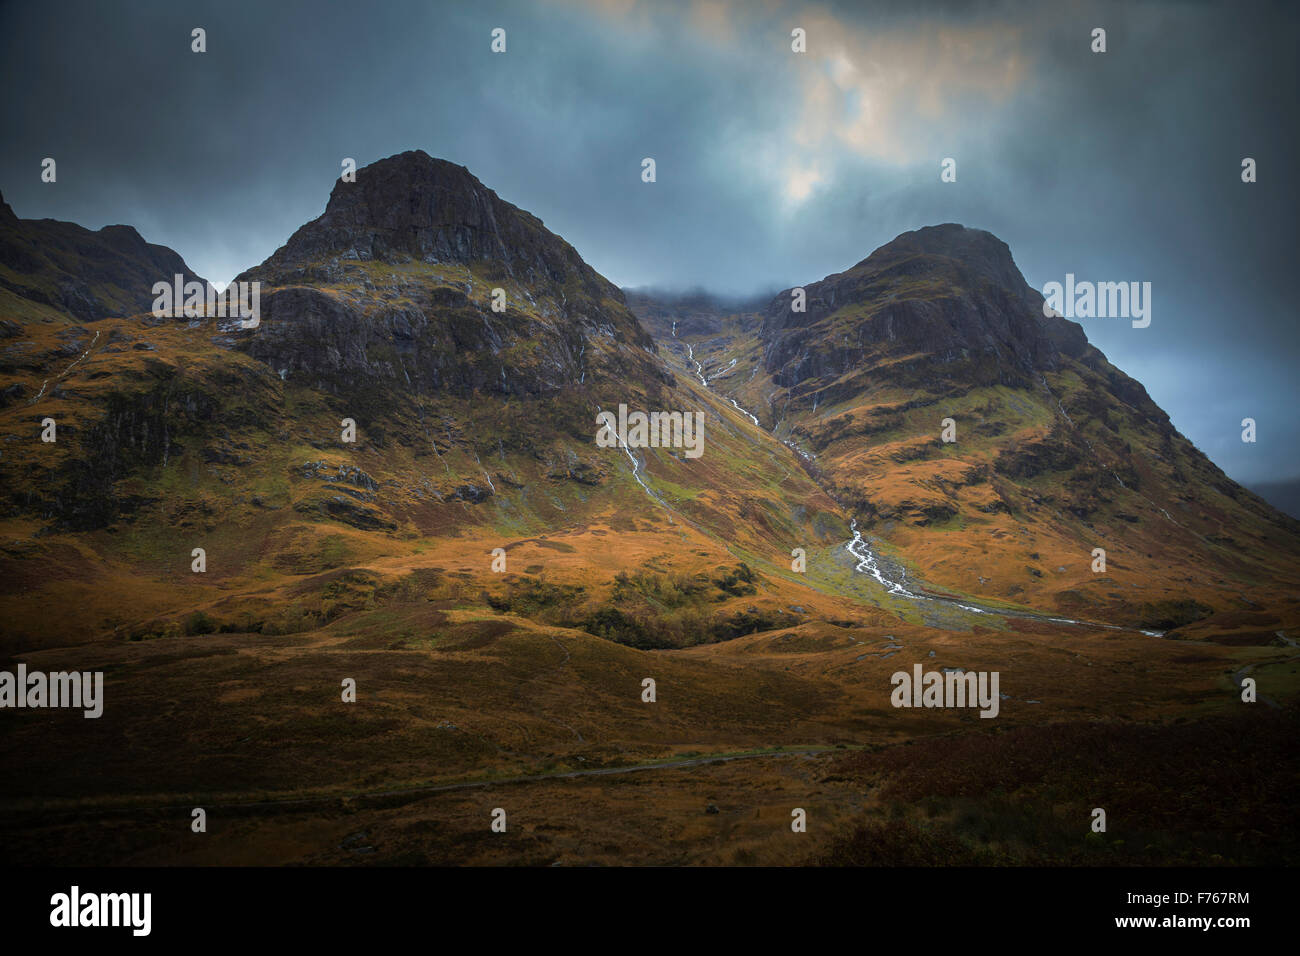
{"points": [[200, 623]]}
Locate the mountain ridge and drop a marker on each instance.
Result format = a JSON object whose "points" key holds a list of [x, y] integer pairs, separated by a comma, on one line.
{"points": [[90, 275], [1053, 446], [381, 311], [390, 482]]}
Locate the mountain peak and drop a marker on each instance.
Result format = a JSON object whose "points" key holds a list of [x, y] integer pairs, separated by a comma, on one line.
{"points": [[948, 238], [403, 188], [125, 239], [944, 291], [412, 206], [977, 251], [422, 250]]}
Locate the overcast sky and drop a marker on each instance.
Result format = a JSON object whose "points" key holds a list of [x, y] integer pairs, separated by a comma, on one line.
{"points": [[774, 168]]}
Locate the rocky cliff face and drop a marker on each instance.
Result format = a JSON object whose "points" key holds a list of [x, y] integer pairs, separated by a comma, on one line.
{"points": [[394, 286], [951, 293], [940, 311], [412, 207]]}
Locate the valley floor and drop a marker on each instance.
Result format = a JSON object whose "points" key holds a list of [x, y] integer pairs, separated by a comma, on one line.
{"points": [[461, 712]]}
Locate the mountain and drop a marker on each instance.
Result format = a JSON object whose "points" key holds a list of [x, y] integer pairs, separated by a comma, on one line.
{"points": [[470, 423], [49, 267], [394, 282], [1057, 452], [942, 299], [388, 483]]}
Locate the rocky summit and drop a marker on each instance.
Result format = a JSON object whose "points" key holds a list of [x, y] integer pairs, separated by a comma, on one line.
{"points": [[393, 286], [945, 295]]}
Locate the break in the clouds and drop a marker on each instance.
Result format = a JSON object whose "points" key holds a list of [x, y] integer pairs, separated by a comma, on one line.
{"points": [[773, 168]]}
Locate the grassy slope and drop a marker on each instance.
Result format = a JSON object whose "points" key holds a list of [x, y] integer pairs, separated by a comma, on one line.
{"points": [[998, 517]]}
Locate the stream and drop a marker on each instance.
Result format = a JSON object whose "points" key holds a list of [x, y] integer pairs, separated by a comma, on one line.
{"points": [[869, 563]]}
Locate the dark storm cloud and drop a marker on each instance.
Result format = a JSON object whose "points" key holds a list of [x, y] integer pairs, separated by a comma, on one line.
{"points": [[773, 169]]}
